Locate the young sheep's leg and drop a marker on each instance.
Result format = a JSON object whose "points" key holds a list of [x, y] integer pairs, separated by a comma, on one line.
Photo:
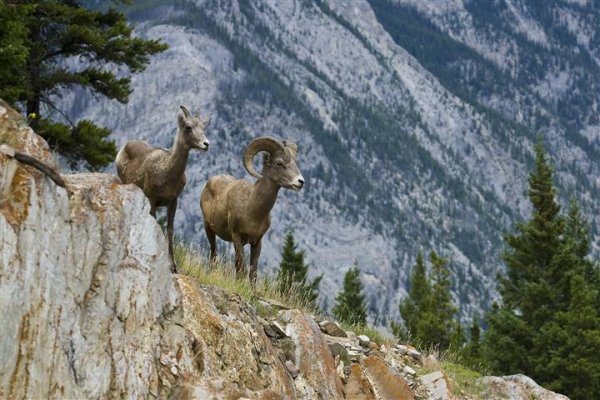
{"points": [[212, 240], [254, 254], [170, 218], [240, 268]]}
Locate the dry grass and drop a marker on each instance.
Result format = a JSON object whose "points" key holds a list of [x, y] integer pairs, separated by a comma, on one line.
{"points": [[222, 275], [196, 264], [373, 334], [463, 378]]}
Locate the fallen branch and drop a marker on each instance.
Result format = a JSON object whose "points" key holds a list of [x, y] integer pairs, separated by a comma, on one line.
{"points": [[50, 171]]}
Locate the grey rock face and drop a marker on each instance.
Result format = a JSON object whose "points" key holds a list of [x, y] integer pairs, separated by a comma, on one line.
{"points": [[87, 302]]}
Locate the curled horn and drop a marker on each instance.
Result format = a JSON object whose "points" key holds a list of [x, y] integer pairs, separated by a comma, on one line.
{"points": [[291, 146], [186, 113], [263, 143]]}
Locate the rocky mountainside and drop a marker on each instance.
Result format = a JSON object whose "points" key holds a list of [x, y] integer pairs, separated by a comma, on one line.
{"points": [[89, 309], [415, 121]]}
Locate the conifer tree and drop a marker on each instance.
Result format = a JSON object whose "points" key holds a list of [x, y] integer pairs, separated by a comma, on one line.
{"points": [[444, 329], [475, 331], [569, 344], [418, 300], [350, 304], [472, 351], [531, 251], [428, 312], [549, 319], [51, 32], [13, 52], [293, 272]]}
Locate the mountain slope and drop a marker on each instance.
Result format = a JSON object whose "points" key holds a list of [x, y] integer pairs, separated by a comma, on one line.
{"points": [[415, 122]]}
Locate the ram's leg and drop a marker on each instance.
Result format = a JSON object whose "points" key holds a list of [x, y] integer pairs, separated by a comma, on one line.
{"points": [[212, 240], [170, 218], [240, 268], [254, 254]]}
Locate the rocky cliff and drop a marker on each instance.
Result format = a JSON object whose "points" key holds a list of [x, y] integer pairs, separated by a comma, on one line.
{"points": [[89, 309]]}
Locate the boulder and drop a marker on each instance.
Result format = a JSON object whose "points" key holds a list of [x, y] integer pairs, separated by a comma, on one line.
{"points": [[437, 385], [515, 387], [338, 349], [364, 341], [331, 328]]}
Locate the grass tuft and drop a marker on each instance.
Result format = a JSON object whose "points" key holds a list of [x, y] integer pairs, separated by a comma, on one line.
{"points": [[373, 334], [222, 275], [463, 378]]}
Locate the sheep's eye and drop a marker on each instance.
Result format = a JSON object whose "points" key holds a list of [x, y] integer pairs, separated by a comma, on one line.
{"points": [[280, 164]]}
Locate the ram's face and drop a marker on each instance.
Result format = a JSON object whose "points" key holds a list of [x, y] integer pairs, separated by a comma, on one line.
{"points": [[282, 169]]}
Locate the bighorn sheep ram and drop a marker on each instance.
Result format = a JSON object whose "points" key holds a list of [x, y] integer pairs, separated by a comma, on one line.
{"points": [[238, 211], [160, 173]]}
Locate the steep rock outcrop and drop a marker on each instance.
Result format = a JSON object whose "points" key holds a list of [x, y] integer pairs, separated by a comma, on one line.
{"points": [[231, 348], [88, 304]]}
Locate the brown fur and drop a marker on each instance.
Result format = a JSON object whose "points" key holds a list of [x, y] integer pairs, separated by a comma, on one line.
{"points": [[238, 211], [160, 173]]}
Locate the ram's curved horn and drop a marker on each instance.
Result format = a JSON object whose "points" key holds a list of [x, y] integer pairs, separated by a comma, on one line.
{"points": [[291, 147], [263, 143]]}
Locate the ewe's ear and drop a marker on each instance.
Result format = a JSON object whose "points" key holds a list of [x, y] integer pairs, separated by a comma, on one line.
{"points": [[181, 119], [206, 121], [186, 113]]}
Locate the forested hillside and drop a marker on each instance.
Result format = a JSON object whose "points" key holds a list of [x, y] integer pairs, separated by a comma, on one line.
{"points": [[415, 121]]}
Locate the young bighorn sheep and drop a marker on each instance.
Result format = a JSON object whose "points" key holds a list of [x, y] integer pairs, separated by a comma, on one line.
{"points": [[238, 211], [160, 173]]}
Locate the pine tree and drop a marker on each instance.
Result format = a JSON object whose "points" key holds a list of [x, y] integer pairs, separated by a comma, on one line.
{"points": [[52, 31], [13, 52], [350, 302], [428, 312], [527, 299], [570, 343], [530, 252], [444, 328], [472, 351], [549, 321], [564, 352], [475, 331], [293, 272], [418, 300]]}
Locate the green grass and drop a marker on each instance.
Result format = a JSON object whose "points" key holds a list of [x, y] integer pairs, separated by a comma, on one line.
{"points": [[462, 377], [222, 275], [373, 334]]}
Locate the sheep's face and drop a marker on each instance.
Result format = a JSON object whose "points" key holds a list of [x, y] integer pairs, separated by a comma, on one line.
{"points": [[281, 168], [192, 130]]}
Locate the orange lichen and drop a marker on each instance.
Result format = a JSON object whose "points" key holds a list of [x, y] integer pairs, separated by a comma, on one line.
{"points": [[15, 205]]}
